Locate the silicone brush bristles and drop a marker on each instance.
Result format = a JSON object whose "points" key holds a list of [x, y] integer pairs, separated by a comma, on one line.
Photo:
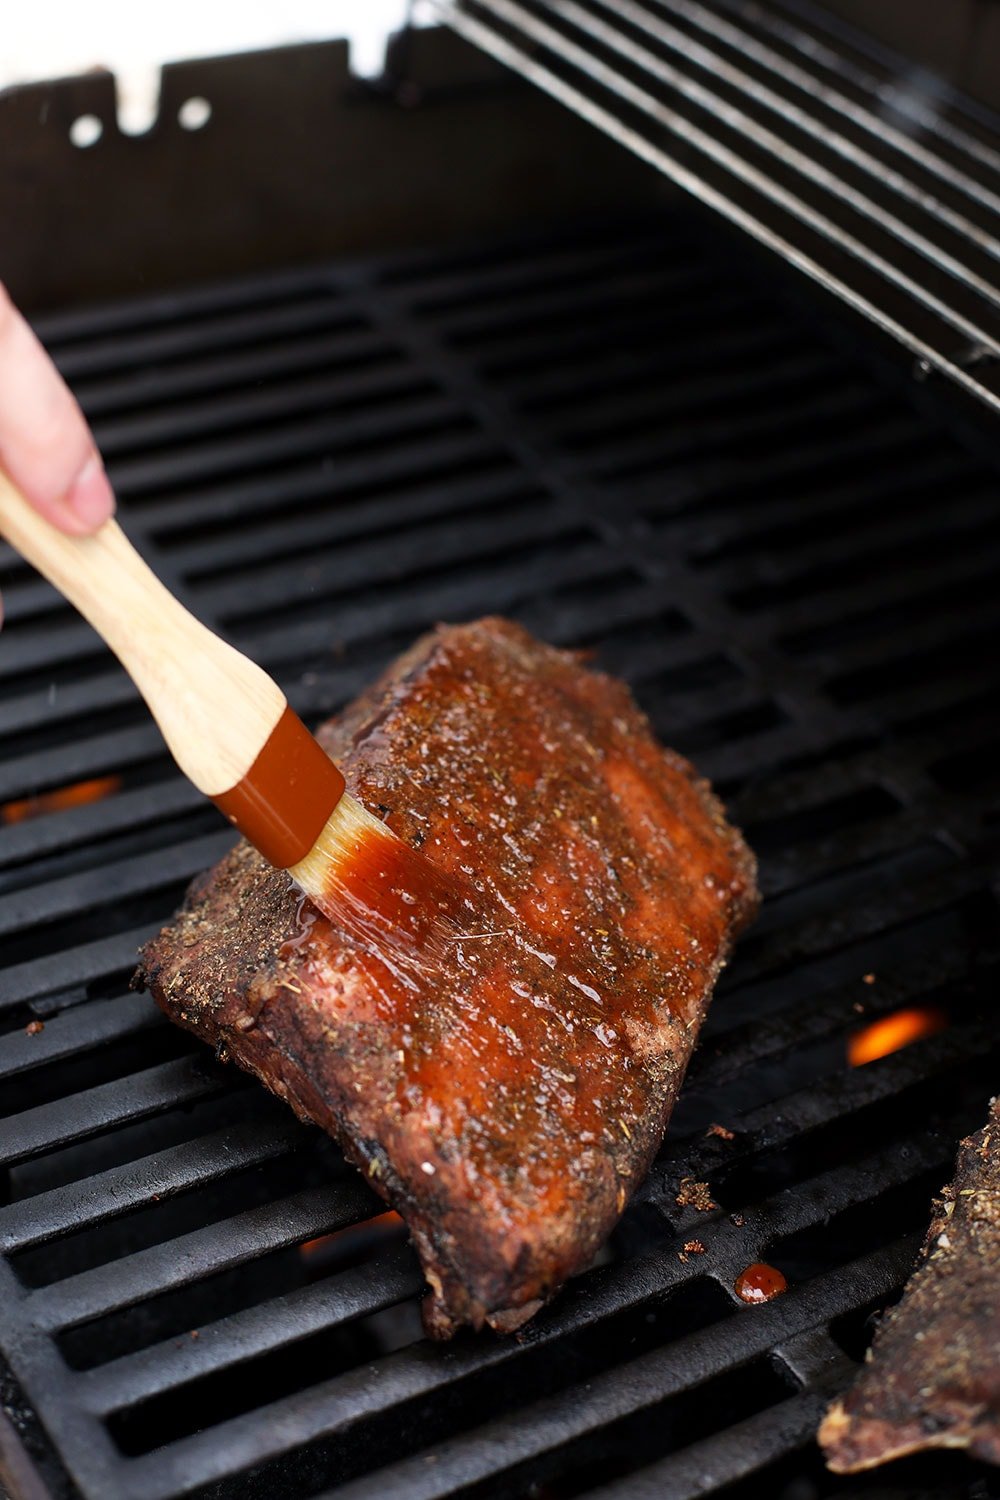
{"points": [[386, 895], [344, 837]]}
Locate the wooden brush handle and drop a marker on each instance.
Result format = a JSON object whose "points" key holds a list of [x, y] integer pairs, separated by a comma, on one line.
{"points": [[216, 709], [226, 722]]}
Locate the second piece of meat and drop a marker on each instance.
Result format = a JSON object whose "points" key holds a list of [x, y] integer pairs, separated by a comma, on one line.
{"points": [[932, 1377], [512, 1107]]}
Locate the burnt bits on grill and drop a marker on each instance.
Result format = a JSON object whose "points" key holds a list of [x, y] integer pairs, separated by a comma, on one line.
{"points": [[509, 1108], [933, 1374]]}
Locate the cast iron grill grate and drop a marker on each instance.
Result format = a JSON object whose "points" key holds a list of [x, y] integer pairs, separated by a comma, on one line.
{"points": [[614, 436]]}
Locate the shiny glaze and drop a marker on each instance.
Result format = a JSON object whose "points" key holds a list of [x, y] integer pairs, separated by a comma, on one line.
{"points": [[497, 1007]]}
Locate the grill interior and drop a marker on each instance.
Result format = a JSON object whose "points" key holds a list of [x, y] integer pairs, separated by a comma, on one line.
{"points": [[616, 434]]}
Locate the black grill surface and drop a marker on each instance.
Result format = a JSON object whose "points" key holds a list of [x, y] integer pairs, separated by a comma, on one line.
{"points": [[618, 438]]}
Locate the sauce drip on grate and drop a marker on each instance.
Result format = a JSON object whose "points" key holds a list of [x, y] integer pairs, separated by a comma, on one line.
{"points": [[760, 1283]]}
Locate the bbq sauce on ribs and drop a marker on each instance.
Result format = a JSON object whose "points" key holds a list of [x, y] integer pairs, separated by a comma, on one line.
{"points": [[932, 1379], [507, 1092]]}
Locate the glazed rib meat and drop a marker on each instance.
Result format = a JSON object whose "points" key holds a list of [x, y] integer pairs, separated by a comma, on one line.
{"points": [[510, 1106], [933, 1374]]}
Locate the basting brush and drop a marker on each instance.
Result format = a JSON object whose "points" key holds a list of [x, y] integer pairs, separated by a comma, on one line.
{"points": [[231, 731]]}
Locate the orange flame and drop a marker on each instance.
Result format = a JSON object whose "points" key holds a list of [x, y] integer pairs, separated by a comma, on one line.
{"points": [[63, 797], [891, 1033], [382, 1221]]}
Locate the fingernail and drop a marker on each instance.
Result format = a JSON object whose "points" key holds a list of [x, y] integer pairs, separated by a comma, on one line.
{"points": [[89, 497]]}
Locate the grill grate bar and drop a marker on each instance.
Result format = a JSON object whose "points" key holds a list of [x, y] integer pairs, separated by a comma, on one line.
{"points": [[931, 978], [412, 459], [567, 395], [181, 338], [104, 1021], [217, 413], [69, 969], [892, 644], [77, 828], [105, 1195], [807, 44], [786, 793], [828, 1101], [743, 1450], [320, 435], [29, 600], [529, 351], [120, 880], [805, 236], [45, 651], [918, 529], [557, 267], [547, 386], [242, 1336], [734, 761], [200, 1253], [818, 859], [944, 584], [913, 706], [366, 565], [572, 561], [877, 907], [48, 1126], [928, 934], [780, 1217], [732, 482], [734, 712], [899, 473], [140, 390], [446, 501], [793, 384], [805, 77], [549, 307], [88, 326], [735, 440], [957, 738]]}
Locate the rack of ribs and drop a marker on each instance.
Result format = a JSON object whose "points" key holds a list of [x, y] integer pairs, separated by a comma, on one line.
{"points": [[508, 1095]]}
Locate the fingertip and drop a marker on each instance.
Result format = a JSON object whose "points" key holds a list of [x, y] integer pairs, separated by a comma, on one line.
{"points": [[89, 501]]}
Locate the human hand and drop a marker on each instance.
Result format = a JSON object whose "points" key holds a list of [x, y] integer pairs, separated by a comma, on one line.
{"points": [[46, 447]]}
